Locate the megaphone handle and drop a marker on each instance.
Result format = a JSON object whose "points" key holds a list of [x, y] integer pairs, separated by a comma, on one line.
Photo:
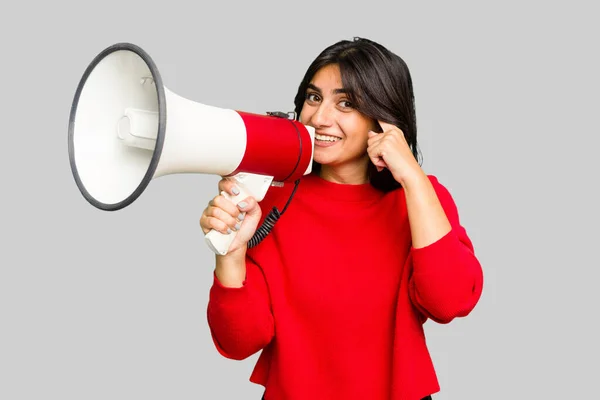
{"points": [[220, 242], [249, 185]]}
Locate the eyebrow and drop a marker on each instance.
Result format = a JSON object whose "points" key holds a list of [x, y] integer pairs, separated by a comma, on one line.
{"points": [[318, 90]]}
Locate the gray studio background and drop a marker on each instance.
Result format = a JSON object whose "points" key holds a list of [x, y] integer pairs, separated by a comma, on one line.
{"points": [[98, 305]]}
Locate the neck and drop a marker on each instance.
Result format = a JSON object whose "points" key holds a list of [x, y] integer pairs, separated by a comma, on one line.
{"points": [[345, 174]]}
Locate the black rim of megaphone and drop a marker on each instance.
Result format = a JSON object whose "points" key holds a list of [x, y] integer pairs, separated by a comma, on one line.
{"points": [[162, 122]]}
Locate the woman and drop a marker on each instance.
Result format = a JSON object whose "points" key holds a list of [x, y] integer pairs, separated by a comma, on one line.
{"points": [[369, 248]]}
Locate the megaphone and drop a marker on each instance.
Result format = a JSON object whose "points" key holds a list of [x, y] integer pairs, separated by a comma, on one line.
{"points": [[126, 129]]}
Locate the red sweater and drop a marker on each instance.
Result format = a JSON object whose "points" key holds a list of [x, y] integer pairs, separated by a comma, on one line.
{"points": [[335, 297]]}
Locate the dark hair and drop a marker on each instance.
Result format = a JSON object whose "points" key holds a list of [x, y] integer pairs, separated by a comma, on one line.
{"points": [[380, 87]]}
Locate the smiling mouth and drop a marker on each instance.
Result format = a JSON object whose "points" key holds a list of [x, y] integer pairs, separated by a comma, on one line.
{"points": [[327, 138]]}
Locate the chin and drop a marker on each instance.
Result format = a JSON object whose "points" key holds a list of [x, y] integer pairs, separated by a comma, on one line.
{"points": [[321, 159]]}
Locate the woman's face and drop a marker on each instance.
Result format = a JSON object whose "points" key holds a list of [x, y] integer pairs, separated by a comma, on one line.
{"points": [[341, 132]]}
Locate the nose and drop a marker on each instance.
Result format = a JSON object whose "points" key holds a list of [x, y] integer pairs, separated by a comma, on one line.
{"points": [[323, 116]]}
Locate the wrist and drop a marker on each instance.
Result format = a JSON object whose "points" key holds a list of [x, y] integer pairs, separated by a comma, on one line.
{"points": [[231, 268], [233, 255], [414, 180]]}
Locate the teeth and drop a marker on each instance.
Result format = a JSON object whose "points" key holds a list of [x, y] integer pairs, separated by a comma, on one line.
{"points": [[327, 138]]}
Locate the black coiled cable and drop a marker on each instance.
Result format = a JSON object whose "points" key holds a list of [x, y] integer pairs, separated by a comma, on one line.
{"points": [[269, 222], [265, 228]]}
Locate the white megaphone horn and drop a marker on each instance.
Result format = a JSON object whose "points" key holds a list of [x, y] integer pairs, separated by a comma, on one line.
{"points": [[126, 128]]}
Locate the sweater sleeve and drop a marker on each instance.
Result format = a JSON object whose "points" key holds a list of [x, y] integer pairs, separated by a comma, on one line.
{"points": [[447, 278], [240, 319]]}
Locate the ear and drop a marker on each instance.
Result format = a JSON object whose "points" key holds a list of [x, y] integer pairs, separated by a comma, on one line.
{"points": [[376, 127]]}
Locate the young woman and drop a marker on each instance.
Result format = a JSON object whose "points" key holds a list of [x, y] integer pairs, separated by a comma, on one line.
{"points": [[369, 248]]}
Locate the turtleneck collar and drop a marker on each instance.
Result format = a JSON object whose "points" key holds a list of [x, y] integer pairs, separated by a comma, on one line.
{"points": [[340, 191]]}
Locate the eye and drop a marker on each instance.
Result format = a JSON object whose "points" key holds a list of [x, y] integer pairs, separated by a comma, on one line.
{"points": [[346, 104], [312, 97]]}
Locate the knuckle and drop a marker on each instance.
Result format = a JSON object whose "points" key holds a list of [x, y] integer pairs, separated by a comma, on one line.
{"points": [[221, 201], [218, 225], [221, 214], [226, 184]]}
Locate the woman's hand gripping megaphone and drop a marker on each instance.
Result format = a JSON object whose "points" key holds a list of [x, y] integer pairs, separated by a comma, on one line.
{"points": [[231, 218]]}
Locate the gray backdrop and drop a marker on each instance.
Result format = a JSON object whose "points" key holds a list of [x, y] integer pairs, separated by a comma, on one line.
{"points": [[98, 305]]}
